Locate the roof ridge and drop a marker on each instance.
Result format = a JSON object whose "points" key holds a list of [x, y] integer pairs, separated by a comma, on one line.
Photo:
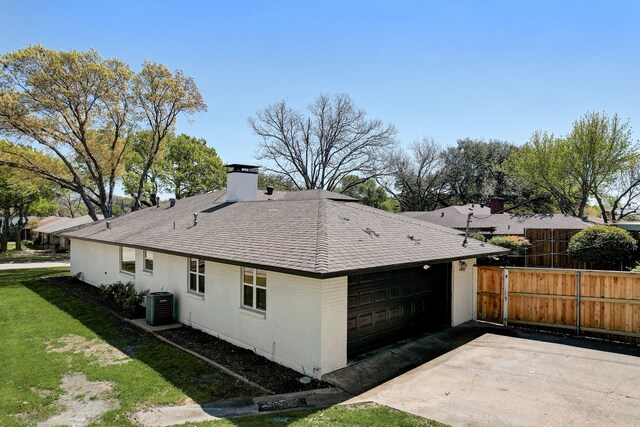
{"points": [[322, 242], [407, 219]]}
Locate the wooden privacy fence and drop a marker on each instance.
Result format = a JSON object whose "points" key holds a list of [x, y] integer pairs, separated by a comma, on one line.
{"points": [[589, 302]]}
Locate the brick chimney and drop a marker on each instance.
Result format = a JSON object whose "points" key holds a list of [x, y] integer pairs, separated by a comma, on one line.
{"points": [[242, 183], [496, 205]]}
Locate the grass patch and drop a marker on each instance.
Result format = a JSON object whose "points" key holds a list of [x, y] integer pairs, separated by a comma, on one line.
{"points": [[37, 321], [365, 414], [31, 255]]}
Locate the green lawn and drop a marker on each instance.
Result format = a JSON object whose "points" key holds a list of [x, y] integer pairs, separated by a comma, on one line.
{"points": [[47, 334], [34, 317], [352, 415]]}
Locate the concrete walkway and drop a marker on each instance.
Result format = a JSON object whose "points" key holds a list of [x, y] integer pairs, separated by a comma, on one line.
{"points": [[173, 415], [505, 381], [21, 265]]}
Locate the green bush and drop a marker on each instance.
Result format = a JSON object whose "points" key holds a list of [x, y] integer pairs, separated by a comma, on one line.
{"points": [[478, 236], [123, 296], [517, 244], [603, 245]]}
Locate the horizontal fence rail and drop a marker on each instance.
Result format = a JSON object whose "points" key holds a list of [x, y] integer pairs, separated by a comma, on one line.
{"points": [[605, 304]]}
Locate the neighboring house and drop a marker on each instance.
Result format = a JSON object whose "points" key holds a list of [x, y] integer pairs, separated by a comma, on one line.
{"points": [[27, 230], [549, 234], [305, 278], [50, 228]]}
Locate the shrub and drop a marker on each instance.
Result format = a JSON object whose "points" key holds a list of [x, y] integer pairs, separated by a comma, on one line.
{"points": [[478, 236], [517, 244], [123, 296], [603, 245]]}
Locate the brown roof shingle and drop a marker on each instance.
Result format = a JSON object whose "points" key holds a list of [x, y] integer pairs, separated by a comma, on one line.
{"points": [[499, 223], [307, 233]]}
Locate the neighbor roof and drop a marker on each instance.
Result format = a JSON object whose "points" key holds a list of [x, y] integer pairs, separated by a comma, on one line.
{"points": [[53, 226], [306, 232], [499, 223]]}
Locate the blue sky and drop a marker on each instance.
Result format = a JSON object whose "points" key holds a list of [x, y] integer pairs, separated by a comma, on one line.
{"points": [[448, 69]]}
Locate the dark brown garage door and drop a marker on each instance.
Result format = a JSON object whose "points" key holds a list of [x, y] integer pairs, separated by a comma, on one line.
{"points": [[387, 306]]}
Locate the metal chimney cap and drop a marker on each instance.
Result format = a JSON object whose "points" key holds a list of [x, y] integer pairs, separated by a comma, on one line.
{"points": [[237, 167]]}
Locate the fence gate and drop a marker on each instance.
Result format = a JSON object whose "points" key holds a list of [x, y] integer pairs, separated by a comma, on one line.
{"points": [[490, 288]]}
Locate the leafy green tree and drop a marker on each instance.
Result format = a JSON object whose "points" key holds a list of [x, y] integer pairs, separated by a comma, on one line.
{"points": [[603, 245], [473, 170], [580, 166], [368, 193], [275, 181], [191, 167], [21, 195], [161, 96], [135, 164], [74, 105], [81, 109], [542, 163], [122, 205], [601, 147]]}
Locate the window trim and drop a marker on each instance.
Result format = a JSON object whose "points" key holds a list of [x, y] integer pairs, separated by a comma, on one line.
{"points": [[254, 286], [144, 261], [197, 274], [134, 261]]}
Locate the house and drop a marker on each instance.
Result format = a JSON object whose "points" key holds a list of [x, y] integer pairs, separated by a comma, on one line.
{"points": [[549, 234], [306, 278], [27, 228], [50, 227]]}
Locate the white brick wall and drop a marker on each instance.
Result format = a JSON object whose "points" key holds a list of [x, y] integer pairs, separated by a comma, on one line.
{"points": [[305, 326], [242, 186], [462, 292]]}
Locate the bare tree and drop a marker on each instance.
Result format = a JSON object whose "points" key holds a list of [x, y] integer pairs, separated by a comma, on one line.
{"points": [[318, 150], [623, 195], [417, 179]]}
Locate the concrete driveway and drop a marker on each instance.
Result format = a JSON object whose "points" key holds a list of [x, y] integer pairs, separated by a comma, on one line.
{"points": [[497, 380]]}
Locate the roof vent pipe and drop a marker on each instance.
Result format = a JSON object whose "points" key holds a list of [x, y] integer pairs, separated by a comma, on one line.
{"points": [[195, 218], [172, 202], [157, 201], [108, 225]]}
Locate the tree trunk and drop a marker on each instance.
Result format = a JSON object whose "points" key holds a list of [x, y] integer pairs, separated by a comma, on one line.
{"points": [[18, 238], [4, 238], [91, 210], [605, 217]]}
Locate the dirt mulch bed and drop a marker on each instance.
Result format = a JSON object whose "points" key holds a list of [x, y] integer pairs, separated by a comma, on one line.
{"points": [[246, 363], [258, 369]]}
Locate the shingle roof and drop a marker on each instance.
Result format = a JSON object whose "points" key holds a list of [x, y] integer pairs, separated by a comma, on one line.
{"points": [[304, 232], [61, 223], [501, 223]]}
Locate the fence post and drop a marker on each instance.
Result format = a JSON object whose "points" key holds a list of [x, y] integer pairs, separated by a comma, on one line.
{"points": [[505, 300], [578, 292]]}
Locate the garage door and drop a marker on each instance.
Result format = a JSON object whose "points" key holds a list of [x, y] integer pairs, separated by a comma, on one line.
{"points": [[387, 306]]}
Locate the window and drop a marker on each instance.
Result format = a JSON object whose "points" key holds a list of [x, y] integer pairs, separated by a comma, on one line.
{"points": [[148, 261], [128, 260], [196, 275], [254, 288]]}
